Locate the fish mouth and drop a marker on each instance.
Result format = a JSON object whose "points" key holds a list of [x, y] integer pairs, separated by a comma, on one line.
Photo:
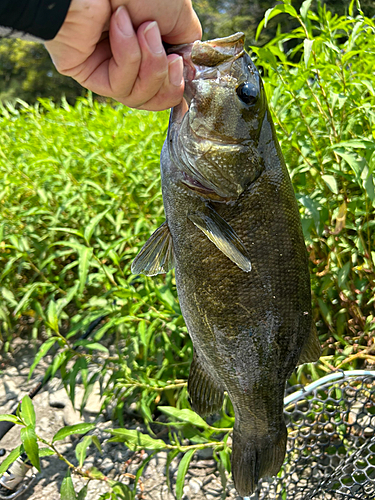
{"points": [[201, 59]]}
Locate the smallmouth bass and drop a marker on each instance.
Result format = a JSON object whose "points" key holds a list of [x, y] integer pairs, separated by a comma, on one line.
{"points": [[234, 235]]}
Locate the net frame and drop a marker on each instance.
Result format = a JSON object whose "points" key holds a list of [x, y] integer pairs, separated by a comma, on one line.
{"points": [[331, 441]]}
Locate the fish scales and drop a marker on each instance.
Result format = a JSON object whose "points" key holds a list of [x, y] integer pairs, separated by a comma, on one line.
{"points": [[238, 250]]}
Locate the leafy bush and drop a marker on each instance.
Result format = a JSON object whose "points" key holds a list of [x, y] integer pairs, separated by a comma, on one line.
{"points": [[322, 96], [80, 194]]}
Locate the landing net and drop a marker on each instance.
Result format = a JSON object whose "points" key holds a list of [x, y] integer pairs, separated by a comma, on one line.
{"points": [[331, 441]]}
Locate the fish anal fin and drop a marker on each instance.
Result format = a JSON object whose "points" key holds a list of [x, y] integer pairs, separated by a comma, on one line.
{"points": [[311, 351], [222, 236], [206, 395], [156, 255]]}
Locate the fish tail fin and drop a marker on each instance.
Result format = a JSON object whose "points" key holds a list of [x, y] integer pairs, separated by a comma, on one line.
{"points": [[254, 457]]}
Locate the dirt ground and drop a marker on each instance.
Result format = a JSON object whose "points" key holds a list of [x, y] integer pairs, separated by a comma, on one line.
{"points": [[54, 409]]}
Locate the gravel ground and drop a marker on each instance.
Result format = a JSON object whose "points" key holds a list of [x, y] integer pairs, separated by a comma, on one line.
{"points": [[54, 409]]}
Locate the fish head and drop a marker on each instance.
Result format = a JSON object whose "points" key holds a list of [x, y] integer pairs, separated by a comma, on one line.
{"points": [[214, 132]]}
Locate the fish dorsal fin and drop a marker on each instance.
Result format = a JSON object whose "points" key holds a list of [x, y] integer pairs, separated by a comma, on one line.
{"points": [[206, 395], [311, 351], [156, 255], [223, 236]]}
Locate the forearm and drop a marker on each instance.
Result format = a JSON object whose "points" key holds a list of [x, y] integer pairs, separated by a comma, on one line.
{"points": [[40, 18]]}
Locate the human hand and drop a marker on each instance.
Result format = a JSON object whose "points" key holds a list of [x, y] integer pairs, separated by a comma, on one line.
{"points": [[114, 48]]}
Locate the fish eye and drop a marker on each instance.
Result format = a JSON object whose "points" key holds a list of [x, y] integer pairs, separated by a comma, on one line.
{"points": [[247, 92]]}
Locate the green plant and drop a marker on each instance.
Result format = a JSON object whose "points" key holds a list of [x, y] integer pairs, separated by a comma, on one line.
{"points": [[321, 95]]}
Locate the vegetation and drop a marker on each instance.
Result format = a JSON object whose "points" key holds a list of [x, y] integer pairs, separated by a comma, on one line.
{"points": [[80, 194], [27, 72]]}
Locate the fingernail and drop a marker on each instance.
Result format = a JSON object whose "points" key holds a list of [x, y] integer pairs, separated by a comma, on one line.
{"points": [[123, 21], [176, 69], [153, 38]]}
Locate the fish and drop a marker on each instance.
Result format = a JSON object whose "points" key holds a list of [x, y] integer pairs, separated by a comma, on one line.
{"points": [[234, 236]]}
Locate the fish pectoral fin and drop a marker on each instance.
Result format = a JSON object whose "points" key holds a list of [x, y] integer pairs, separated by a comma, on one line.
{"points": [[156, 255], [223, 237], [205, 393], [311, 351]]}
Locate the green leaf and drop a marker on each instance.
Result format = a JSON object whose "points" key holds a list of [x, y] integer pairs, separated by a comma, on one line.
{"points": [[12, 457], [142, 467], [307, 46], [96, 442], [44, 348], [90, 228], [331, 183], [72, 429], [136, 439], [81, 449], [83, 492], [46, 452], [6, 417], [184, 415], [67, 489], [353, 161], [369, 187], [89, 344], [343, 275], [304, 9], [27, 296], [85, 255], [66, 230], [27, 411], [355, 144], [53, 321], [181, 473], [270, 13], [29, 441]]}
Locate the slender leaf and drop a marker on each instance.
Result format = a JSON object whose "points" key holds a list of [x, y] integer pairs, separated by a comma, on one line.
{"points": [[307, 47], [29, 441], [6, 417], [136, 439], [72, 429], [83, 493], [52, 316], [331, 183], [81, 449], [67, 489], [184, 415], [12, 457], [85, 255], [44, 348], [181, 473], [46, 452], [27, 411]]}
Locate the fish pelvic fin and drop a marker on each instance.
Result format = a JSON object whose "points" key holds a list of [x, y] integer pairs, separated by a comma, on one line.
{"points": [[223, 237], [206, 395], [156, 255], [311, 351], [254, 457]]}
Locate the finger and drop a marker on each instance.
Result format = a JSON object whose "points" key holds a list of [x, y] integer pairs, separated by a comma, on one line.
{"points": [[155, 69], [113, 67], [187, 28], [171, 92]]}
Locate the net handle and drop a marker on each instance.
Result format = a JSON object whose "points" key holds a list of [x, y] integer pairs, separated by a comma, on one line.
{"points": [[339, 375]]}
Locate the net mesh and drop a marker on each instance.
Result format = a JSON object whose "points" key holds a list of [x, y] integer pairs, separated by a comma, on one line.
{"points": [[331, 445]]}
